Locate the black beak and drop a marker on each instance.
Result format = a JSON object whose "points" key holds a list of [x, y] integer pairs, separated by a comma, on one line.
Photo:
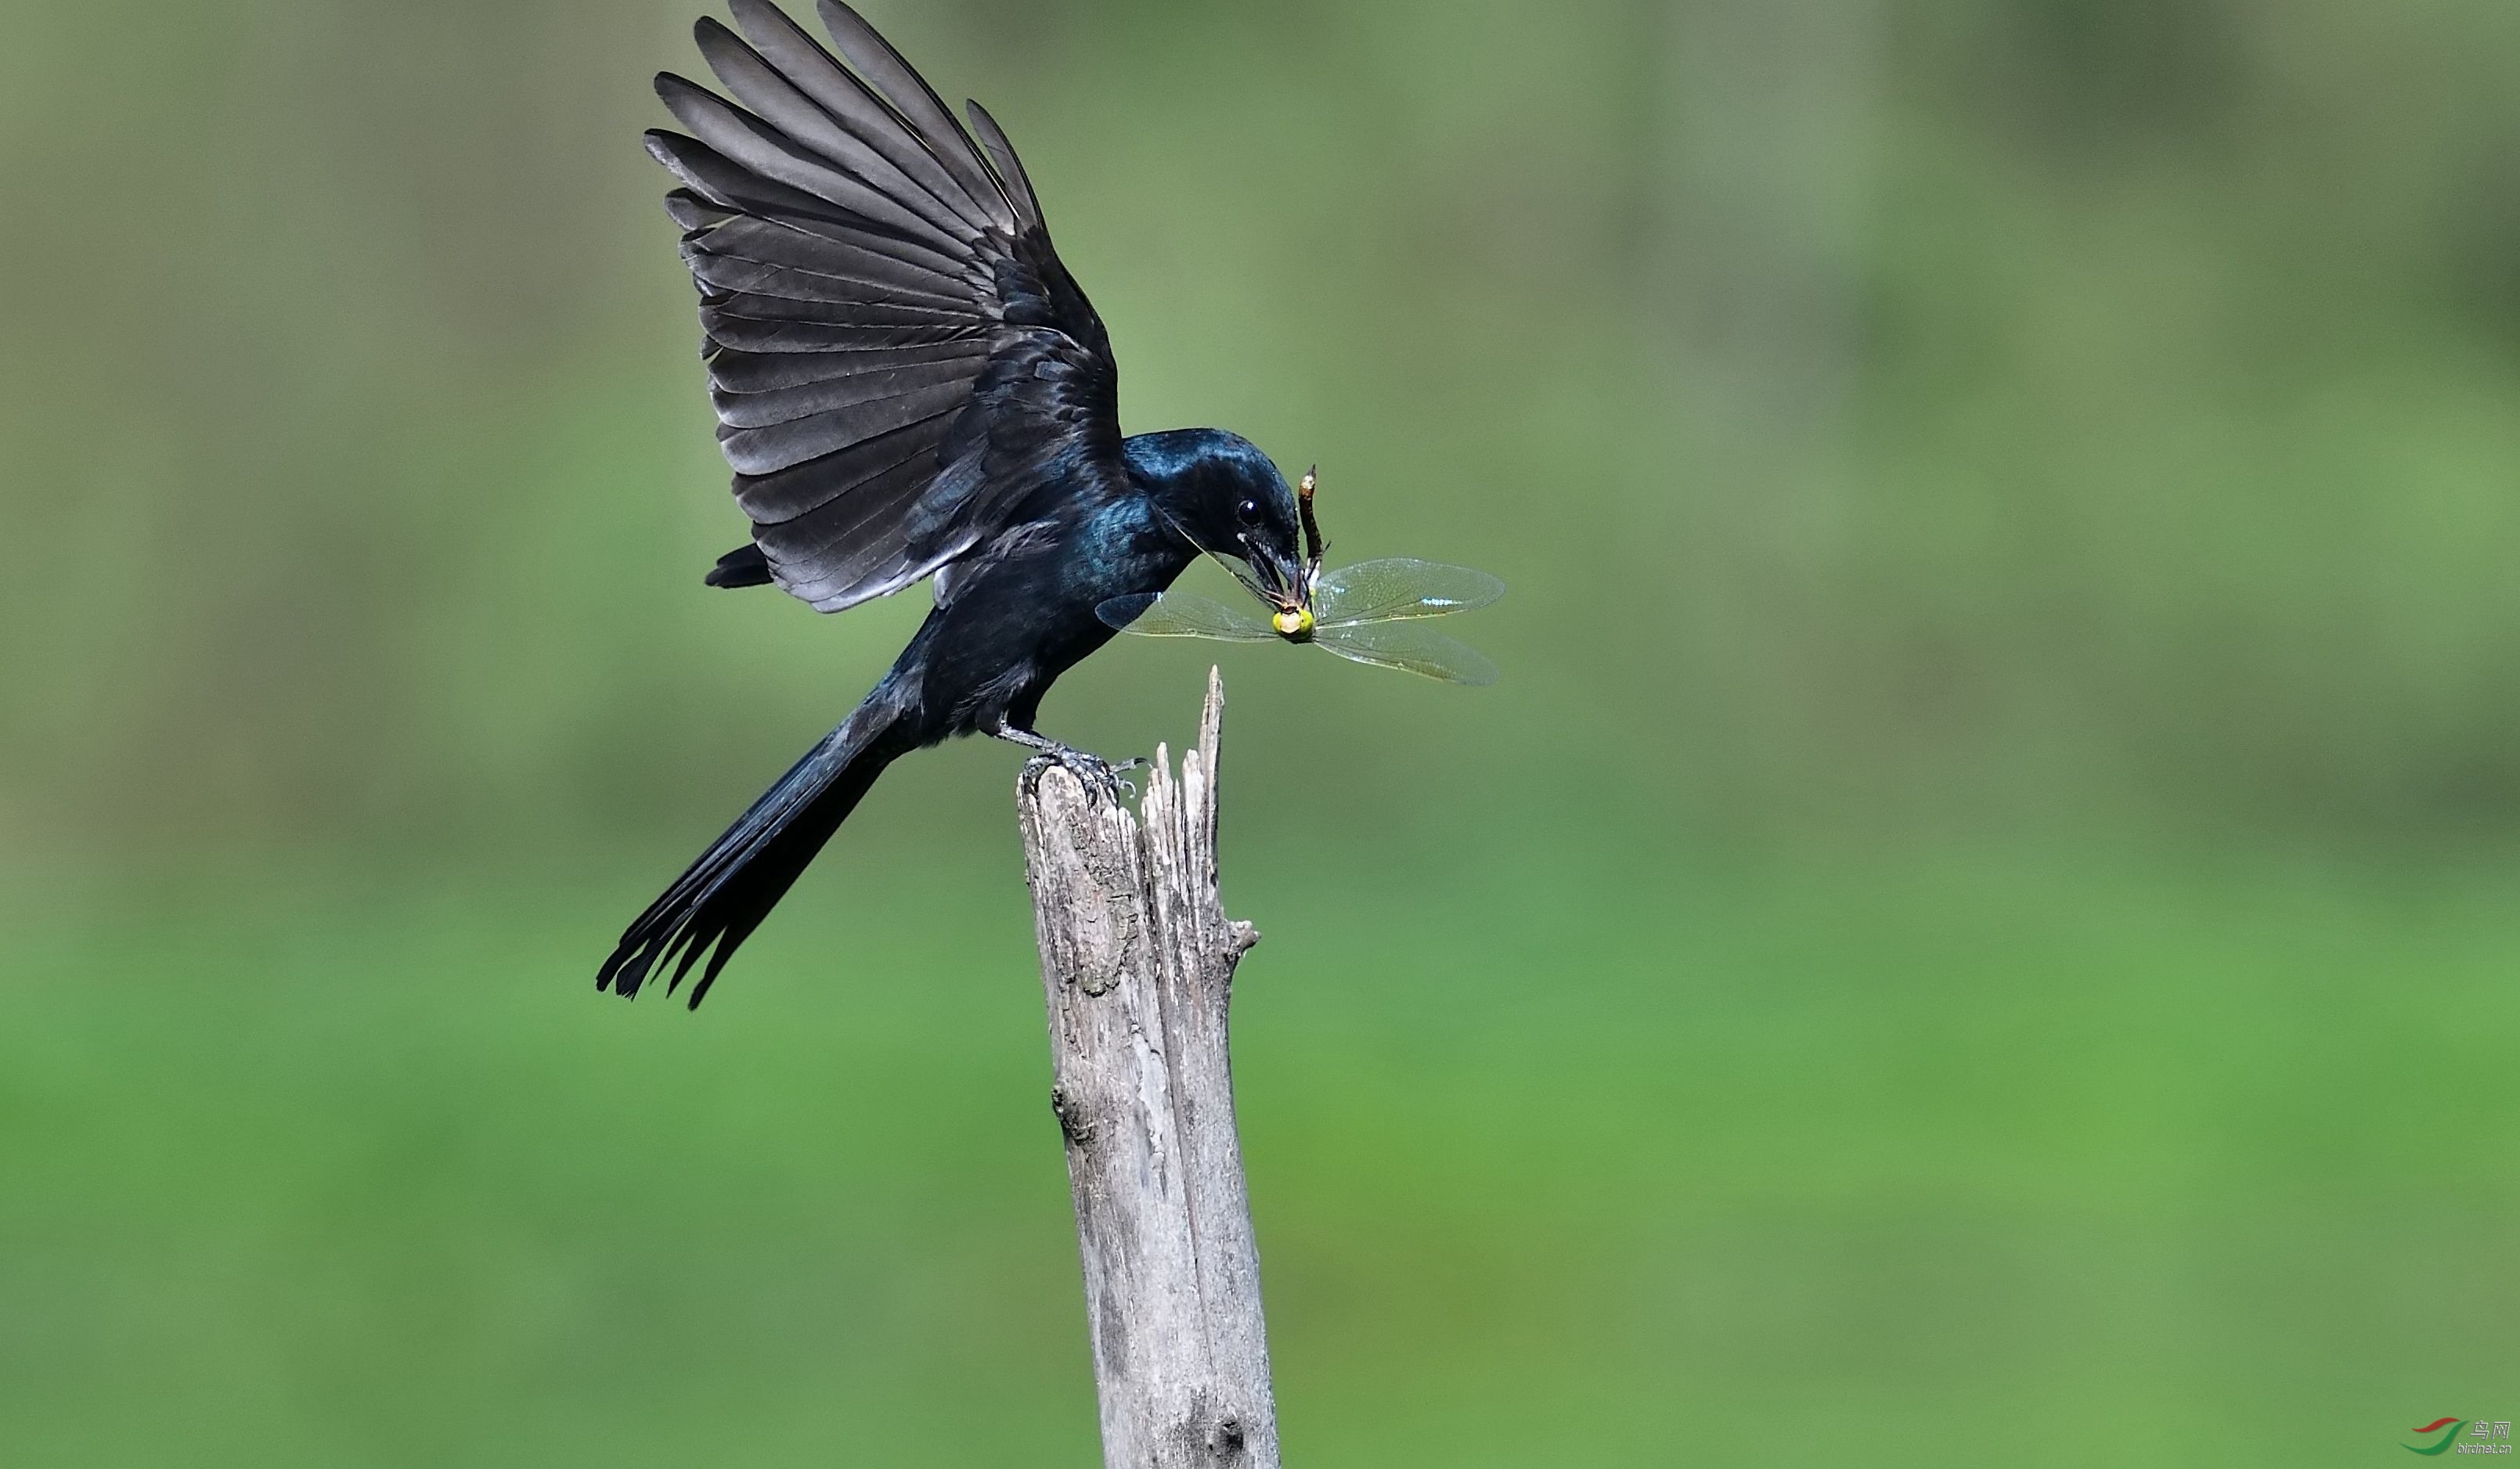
{"points": [[1294, 581], [1282, 582]]}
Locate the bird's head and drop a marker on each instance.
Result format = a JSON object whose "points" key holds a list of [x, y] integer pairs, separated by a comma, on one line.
{"points": [[1229, 500]]}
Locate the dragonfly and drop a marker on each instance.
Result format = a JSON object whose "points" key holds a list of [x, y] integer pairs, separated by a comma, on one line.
{"points": [[1369, 613]]}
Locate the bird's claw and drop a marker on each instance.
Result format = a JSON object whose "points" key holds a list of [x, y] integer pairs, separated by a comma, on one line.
{"points": [[1100, 777]]}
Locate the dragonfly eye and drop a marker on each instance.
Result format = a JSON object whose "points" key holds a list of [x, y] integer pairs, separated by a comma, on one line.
{"points": [[1248, 512]]}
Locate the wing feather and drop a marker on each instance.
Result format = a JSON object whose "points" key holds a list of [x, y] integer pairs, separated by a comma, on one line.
{"points": [[897, 357], [870, 311], [770, 96], [1002, 155], [693, 213], [784, 445], [721, 270], [789, 495], [854, 105], [743, 138], [910, 97], [761, 409], [736, 189], [833, 257], [734, 375], [749, 333], [831, 558]]}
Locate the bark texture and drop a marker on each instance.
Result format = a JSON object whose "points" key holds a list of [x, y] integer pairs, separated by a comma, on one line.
{"points": [[1136, 961]]}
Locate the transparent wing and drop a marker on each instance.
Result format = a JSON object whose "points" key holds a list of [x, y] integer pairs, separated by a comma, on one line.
{"points": [[1179, 614], [1407, 647], [1399, 586], [1242, 572]]}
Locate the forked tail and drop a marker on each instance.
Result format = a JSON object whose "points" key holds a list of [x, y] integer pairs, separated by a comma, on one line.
{"points": [[721, 898]]}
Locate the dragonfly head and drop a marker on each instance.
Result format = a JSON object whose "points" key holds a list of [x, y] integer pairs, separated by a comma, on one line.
{"points": [[1294, 624]]}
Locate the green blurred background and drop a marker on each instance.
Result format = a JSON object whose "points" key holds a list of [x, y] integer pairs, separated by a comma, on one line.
{"points": [[1978, 924]]}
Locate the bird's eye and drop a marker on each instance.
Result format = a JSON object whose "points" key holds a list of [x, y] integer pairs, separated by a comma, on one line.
{"points": [[1249, 512]]}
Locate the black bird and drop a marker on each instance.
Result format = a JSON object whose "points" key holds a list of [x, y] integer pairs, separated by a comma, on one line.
{"points": [[909, 384]]}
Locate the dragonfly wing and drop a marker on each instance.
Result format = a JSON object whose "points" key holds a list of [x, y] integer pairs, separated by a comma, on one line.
{"points": [[1399, 586], [1179, 614], [1240, 570], [1407, 647]]}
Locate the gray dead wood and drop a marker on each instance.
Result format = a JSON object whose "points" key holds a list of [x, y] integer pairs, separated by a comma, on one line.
{"points": [[1136, 961]]}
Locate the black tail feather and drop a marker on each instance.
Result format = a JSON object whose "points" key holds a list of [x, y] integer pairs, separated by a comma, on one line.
{"points": [[724, 895], [743, 566]]}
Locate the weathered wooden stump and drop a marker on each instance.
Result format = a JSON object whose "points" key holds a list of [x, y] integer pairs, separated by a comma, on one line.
{"points": [[1138, 960]]}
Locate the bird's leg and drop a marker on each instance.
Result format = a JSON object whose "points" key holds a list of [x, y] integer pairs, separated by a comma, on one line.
{"points": [[1092, 770]]}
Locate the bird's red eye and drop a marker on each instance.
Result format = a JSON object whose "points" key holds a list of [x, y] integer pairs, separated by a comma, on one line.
{"points": [[1249, 511]]}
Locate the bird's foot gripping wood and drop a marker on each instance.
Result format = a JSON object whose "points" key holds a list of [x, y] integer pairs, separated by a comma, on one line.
{"points": [[1100, 777]]}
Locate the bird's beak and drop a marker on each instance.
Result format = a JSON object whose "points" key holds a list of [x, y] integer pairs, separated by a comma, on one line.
{"points": [[1289, 591], [1294, 620], [1284, 582]]}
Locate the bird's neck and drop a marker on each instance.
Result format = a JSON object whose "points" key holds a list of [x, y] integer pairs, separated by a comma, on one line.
{"points": [[1147, 534]]}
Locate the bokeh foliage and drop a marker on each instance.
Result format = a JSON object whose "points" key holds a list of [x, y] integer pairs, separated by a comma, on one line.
{"points": [[1982, 899]]}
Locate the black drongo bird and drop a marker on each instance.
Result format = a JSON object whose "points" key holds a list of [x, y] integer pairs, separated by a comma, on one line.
{"points": [[909, 384]]}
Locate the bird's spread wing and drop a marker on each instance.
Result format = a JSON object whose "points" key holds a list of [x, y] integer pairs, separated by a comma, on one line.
{"points": [[896, 354]]}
